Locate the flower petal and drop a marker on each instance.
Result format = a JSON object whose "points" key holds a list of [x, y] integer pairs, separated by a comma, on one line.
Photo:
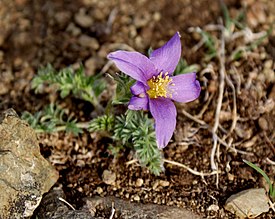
{"points": [[137, 103], [138, 88], [186, 88], [164, 112], [167, 57], [134, 64]]}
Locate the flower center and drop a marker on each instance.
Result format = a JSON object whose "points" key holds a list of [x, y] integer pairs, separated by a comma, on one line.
{"points": [[159, 86]]}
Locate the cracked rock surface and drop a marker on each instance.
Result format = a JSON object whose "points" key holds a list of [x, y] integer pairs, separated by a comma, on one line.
{"points": [[53, 207], [249, 203], [24, 174]]}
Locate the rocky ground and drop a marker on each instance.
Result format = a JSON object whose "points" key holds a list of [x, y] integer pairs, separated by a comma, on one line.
{"points": [[36, 32]]}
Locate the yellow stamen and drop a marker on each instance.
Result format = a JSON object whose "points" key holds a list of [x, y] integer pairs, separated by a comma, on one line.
{"points": [[159, 86]]}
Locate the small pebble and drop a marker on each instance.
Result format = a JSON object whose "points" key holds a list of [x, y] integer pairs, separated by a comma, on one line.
{"points": [[90, 64], [268, 64], [136, 198], [213, 208], [62, 17], [83, 20], [74, 30], [155, 185], [156, 16], [164, 183], [109, 177], [127, 195], [99, 190], [139, 182], [87, 41], [263, 123], [230, 176], [80, 189]]}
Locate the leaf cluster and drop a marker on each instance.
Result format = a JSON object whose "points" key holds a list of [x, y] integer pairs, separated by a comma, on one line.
{"points": [[123, 93], [102, 123], [134, 130], [68, 81], [51, 119]]}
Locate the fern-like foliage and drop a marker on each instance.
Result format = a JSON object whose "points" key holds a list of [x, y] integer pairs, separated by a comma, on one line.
{"points": [[102, 123], [68, 81], [137, 130], [123, 93], [52, 119], [133, 130]]}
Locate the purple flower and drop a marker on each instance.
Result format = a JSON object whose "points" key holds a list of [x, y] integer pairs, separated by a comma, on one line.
{"points": [[156, 88]]}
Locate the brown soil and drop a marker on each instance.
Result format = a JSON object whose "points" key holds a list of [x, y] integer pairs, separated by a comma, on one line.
{"points": [[36, 32]]}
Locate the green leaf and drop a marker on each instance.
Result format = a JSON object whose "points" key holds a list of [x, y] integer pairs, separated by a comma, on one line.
{"points": [[102, 123], [136, 130], [123, 93], [150, 50], [68, 81], [259, 170], [183, 68], [52, 119]]}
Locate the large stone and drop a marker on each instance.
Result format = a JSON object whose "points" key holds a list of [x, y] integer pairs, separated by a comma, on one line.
{"points": [[24, 174], [127, 209], [53, 207], [249, 203]]}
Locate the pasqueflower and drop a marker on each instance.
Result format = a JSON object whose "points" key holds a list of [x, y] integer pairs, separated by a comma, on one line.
{"points": [[155, 88]]}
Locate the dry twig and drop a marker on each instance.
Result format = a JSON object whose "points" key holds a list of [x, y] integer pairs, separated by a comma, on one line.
{"points": [[180, 165], [67, 203], [272, 205], [189, 169], [270, 161], [272, 147], [113, 211], [188, 115], [205, 106], [235, 116], [221, 58], [221, 141]]}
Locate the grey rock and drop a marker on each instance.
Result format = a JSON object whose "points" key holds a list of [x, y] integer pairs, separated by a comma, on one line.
{"points": [[24, 174], [248, 203], [127, 209], [77, 214], [52, 207]]}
